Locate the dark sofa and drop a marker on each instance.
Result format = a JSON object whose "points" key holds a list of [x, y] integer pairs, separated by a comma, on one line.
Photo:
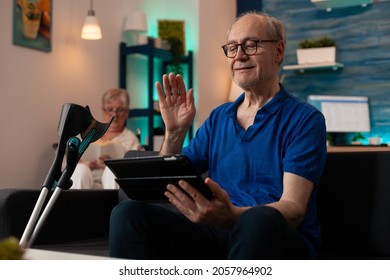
{"points": [[353, 207], [78, 222]]}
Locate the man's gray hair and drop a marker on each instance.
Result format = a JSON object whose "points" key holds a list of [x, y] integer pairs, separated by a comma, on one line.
{"points": [[274, 26]]}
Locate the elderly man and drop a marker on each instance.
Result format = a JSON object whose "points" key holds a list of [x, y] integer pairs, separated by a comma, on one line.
{"points": [[264, 154]]}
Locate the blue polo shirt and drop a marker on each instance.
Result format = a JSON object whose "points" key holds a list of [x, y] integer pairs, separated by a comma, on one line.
{"points": [[288, 135]]}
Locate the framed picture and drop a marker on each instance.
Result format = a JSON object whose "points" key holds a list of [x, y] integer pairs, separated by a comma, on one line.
{"points": [[173, 31], [32, 21]]}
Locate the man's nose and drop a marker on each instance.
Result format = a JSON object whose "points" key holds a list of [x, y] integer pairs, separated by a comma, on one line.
{"points": [[240, 53]]}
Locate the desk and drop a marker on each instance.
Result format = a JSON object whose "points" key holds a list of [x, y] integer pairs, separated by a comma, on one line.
{"points": [[37, 254], [357, 148]]}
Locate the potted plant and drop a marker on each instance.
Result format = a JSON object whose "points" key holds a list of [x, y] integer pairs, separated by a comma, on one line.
{"points": [[177, 51], [321, 50], [357, 139], [173, 31]]}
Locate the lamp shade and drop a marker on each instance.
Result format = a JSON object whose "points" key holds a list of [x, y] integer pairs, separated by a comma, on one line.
{"points": [[91, 29], [136, 22]]}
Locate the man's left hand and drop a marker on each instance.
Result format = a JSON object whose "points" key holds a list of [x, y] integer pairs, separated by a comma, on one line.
{"points": [[191, 203]]}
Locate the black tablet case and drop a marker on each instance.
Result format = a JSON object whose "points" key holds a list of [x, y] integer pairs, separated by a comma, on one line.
{"points": [[145, 178]]}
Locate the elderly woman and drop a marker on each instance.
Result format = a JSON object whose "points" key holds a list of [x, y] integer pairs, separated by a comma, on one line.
{"points": [[93, 173]]}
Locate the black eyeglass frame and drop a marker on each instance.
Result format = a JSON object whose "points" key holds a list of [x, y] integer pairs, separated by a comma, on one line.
{"points": [[224, 47]]}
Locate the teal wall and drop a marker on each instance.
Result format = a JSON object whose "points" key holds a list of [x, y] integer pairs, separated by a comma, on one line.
{"points": [[362, 36]]}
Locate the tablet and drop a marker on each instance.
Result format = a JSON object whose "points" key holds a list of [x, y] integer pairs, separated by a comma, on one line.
{"points": [[145, 178]]}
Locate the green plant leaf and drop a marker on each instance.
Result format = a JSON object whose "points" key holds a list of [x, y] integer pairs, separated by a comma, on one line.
{"points": [[317, 43]]}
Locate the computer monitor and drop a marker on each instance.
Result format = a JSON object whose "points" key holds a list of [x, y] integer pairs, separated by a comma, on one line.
{"points": [[343, 113]]}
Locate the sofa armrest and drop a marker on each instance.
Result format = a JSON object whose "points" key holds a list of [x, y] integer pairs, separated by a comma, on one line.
{"points": [[76, 215]]}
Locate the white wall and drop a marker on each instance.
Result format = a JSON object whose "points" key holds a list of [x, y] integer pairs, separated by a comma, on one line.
{"points": [[34, 84], [214, 81]]}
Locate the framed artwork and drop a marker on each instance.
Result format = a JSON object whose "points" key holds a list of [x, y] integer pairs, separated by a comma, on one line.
{"points": [[32, 20], [173, 31]]}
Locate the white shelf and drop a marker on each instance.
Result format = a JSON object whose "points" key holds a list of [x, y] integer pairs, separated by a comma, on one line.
{"points": [[314, 66], [328, 5]]}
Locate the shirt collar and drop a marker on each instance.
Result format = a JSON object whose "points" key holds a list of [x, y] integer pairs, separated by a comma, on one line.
{"points": [[272, 106]]}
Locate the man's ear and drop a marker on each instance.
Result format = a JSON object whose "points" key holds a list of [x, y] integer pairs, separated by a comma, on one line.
{"points": [[280, 52]]}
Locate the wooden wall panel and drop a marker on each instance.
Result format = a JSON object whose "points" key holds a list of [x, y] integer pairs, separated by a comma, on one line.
{"points": [[362, 36]]}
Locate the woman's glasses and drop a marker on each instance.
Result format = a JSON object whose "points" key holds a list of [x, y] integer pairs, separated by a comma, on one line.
{"points": [[111, 111]]}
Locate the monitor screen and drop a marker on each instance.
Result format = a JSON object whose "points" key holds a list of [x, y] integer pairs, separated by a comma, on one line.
{"points": [[343, 113]]}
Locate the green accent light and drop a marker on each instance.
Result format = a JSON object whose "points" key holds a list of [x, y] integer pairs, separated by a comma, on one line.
{"points": [[73, 142], [87, 140]]}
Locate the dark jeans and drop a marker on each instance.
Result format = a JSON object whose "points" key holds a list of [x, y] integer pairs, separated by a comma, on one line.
{"points": [[148, 231]]}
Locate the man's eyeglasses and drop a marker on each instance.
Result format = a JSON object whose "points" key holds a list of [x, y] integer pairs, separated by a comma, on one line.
{"points": [[249, 47], [119, 111]]}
